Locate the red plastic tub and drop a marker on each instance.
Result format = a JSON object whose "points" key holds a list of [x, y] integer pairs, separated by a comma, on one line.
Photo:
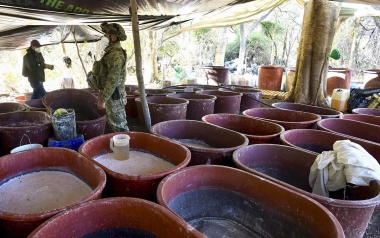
{"points": [[286, 118], [140, 186], [199, 104], [207, 143], [257, 131], [116, 217], [290, 167], [363, 131], [43, 159], [226, 102], [220, 201]]}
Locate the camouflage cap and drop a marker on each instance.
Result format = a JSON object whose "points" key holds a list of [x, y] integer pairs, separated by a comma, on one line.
{"points": [[114, 29]]}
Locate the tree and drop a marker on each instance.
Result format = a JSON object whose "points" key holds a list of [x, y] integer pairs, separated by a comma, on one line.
{"points": [[221, 48], [258, 49], [272, 30], [150, 62], [311, 70], [245, 31]]}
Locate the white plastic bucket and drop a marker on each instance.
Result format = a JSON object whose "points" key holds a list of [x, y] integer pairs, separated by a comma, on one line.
{"points": [[26, 147]]}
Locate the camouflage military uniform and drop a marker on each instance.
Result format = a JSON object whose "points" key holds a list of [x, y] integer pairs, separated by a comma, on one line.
{"points": [[112, 76]]}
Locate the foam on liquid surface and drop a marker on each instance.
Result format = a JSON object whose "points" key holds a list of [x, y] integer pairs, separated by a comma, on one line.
{"points": [[41, 191]]}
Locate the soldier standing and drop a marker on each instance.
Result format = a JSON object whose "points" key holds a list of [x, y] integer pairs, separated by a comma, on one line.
{"points": [[110, 77]]}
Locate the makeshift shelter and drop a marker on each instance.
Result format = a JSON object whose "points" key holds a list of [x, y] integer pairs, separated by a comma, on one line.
{"points": [[52, 21]]}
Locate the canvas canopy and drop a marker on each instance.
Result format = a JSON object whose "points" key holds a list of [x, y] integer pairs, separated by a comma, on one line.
{"points": [[53, 21]]}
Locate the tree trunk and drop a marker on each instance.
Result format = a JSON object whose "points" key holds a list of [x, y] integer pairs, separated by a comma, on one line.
{"points": [[150, 59], [318, 31], [221, 49], [354, 44], [241, 51], [153, 56]]}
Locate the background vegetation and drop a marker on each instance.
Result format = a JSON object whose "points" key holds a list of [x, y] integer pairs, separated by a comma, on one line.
{"points": [[273, 41]]}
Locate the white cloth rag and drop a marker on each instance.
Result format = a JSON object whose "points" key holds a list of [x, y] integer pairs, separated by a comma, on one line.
{"points": [[347, 163]]}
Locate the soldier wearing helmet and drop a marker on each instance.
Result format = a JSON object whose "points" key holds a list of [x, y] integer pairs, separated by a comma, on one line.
{"points": [[111, 76]]}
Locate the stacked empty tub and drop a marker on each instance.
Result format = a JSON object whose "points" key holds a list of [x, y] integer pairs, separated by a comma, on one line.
{"points": [[251, 97], [90, 121], [226, 102], [65, 132], [163, 108], [13, 126], [199, 104]]}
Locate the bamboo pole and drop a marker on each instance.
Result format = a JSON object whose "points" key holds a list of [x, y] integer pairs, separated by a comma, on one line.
{"points": [[139, 74], [80, 58]]}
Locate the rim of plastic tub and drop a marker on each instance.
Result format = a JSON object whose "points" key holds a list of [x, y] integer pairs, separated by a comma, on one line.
{"points": [[201, 149], [193, 96], [124, 203], [174, 101], [281, 128], [220, 94], [367, 111], [317, 117], [374, 120], [322, 111], [47, 119]]}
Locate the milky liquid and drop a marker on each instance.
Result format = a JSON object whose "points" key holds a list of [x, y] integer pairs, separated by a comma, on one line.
{"points": [[139, 163], [194, 143], [41, 191]]}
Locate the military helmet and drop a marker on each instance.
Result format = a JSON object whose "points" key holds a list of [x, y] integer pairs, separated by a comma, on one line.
{"points": [[114, 29]]}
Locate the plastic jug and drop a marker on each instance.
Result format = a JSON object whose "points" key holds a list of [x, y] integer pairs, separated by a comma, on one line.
{"points": [[339, 99], [119, 144]]}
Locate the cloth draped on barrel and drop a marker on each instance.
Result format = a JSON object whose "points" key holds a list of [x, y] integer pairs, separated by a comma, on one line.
{"points": [[347, 163]]}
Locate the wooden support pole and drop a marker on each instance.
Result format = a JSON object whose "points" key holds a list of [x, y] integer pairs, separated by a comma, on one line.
{"points": [[139, 73]]}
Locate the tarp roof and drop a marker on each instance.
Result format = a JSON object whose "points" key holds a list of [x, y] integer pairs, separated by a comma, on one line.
{"points": [[52, 21]]}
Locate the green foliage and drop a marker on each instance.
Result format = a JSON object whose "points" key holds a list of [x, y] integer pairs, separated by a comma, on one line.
{"points": [[232, 50], [270, 29], [201, 32], [258, 48]]}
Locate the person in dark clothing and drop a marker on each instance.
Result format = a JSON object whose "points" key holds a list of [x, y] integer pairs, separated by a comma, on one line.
{"points": [[34, 68]]}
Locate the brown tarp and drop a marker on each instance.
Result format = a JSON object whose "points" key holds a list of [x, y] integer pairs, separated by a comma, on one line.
{"points": [[52, 21]]}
